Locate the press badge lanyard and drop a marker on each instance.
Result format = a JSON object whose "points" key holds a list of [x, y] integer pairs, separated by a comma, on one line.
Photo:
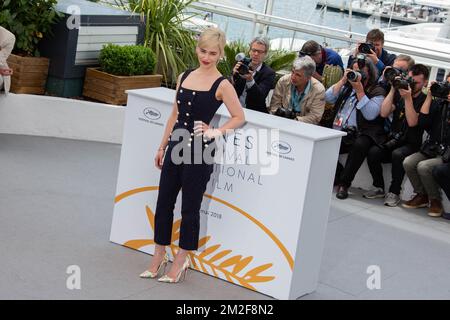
{"points": [[339, 119]]}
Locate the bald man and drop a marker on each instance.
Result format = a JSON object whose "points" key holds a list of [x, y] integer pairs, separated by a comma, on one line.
{"points": [[7, 40]]}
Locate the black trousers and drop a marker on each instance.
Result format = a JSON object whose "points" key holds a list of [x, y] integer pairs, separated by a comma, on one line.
{"points": [[378, 155], [192, 179], [357, 153], [441, 174]]}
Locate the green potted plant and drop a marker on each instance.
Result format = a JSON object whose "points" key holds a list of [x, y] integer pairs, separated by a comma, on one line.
{"points": [[173, 45], [29, 21], [121, 68]]}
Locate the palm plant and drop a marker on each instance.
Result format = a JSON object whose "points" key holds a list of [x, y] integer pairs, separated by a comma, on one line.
{"points": [[276, 59], [280, 59], [173, 45], [231, 49]]}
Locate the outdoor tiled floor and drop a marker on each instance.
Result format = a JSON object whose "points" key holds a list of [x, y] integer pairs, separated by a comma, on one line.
{"points": [[56, 205]]}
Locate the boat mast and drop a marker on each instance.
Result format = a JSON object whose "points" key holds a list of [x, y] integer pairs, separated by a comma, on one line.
{"points": [[392, 12], [350, 11], [268, 9]]}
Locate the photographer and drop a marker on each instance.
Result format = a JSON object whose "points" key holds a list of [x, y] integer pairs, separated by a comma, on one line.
{"points": [[321, 56], [441, 174], [7, 40], [298, 95], [403, 102], [402, 64], [373, 48], [434, 118], [357, 98], [253, 87]]}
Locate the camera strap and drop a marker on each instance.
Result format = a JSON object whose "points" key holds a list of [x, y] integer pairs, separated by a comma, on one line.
{"points": [[404, 126], [344, 123], [444, 123]]}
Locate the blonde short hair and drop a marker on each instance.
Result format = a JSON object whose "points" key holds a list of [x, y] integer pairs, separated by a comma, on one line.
{"points": [[408, 59], [213, 36]]}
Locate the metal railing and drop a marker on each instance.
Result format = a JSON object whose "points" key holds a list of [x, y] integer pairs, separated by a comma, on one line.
{"points": [[434, 56]]}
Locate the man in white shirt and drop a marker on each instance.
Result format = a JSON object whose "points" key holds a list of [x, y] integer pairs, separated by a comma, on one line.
{"points": [[7, 40]]}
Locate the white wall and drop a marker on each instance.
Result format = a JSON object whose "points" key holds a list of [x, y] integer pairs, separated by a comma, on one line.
{"points": [[60, 117]]}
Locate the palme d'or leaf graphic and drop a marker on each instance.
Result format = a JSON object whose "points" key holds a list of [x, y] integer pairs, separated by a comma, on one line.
{"points": [[202, 263]]}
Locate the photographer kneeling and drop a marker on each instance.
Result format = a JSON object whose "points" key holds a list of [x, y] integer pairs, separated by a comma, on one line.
{"points": [[403, 102], [434, 117], [357, 99], [298, 95]]}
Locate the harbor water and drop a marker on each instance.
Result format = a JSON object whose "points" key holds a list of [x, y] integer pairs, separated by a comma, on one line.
{"points": [[301, 10]]}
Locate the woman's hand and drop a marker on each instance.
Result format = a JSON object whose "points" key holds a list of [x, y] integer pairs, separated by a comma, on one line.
{"points": [[159, 158], [6, 71], [201, 128], [357, 85]]}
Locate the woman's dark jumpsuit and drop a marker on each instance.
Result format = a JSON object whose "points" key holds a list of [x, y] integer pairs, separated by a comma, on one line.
{"points": [[191, 178]]}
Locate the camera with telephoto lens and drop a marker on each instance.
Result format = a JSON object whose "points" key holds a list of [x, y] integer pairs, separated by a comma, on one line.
{"points": [[440, 89], [366, 47], [285, 113], [403, 83], [353, 76], [245, 67], [391, 73]]}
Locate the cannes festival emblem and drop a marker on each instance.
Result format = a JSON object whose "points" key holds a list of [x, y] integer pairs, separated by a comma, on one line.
{"points": [[281, 147], [215, 259], [152, 113]]}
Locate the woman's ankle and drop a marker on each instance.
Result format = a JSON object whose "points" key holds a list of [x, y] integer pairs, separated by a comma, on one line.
{"points": [[159, 250]]}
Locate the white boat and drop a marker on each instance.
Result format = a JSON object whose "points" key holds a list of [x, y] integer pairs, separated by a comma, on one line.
{"points": [[403, 39], [409, 11], [198, 24]]}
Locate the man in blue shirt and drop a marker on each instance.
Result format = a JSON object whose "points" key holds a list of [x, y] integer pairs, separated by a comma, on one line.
{"points": [[357, 102], [321, 56], [379, 56]]}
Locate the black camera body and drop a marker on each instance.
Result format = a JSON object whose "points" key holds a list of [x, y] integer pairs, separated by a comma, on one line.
{"points": [[433, 149], [403, 83], [366, 47], [285, 113], [352, 134], [245, 67], [395, 140], [391, 73], [440, 89]]}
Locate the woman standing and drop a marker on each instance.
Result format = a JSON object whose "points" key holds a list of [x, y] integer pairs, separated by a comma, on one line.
{"points": [[200, 93]]}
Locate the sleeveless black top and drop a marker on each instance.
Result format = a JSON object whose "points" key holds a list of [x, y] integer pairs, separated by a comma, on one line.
{"points": [[193, 106]]}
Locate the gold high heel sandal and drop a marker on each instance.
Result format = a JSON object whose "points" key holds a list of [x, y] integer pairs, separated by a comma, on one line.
{"points": [[182, 272], [162, 266]]}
